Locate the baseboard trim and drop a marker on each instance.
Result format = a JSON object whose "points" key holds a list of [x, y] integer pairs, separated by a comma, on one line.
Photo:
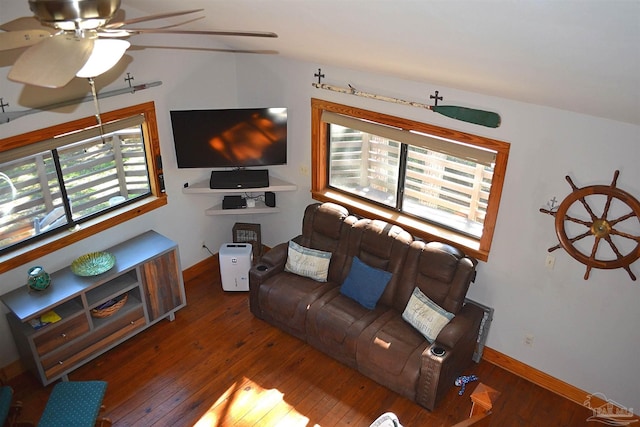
{"points": [[546, 381], [12, 370], [209, 265]]}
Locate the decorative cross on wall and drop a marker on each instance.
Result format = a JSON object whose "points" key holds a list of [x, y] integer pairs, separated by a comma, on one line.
{"points": [[3, 104], [436, 97], [319, 75], [128, 79]]}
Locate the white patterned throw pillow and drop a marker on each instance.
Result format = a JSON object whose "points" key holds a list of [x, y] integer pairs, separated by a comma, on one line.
{"points": [[425, 315], [307, 262]]}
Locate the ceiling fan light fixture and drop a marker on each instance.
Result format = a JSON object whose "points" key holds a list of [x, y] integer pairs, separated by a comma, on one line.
{"points": [[56, 11], [106, 53], [85, 24]]}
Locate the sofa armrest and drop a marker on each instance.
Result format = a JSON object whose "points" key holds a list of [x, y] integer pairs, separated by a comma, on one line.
{"points": [[438, 371], [466, 322], [271, 264], [274, 259]]}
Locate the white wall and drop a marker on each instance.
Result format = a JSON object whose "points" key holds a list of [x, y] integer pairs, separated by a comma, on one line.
{"points": [[585, 332]]}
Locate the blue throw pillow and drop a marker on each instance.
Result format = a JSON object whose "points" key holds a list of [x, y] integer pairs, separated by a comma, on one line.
{"points": [[365, 284]]}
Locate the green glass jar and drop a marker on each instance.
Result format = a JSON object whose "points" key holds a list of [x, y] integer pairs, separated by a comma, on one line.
{"points": [[39, 279]]}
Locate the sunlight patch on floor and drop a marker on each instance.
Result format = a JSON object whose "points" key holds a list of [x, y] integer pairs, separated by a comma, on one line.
{"points": [[248, 404]]}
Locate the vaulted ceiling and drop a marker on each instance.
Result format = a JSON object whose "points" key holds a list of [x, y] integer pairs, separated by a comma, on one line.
{"points": [[577, 55]]}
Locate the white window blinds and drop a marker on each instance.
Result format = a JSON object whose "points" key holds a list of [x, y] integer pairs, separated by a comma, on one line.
{"points": [[429, 142], [70, 138]]}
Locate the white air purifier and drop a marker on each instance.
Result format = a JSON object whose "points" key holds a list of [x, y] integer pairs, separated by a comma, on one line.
{"points": [[235, 262]]}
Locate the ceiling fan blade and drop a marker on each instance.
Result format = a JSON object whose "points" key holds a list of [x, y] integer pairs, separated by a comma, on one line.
{"points": [[208, 49], [118, 24], [26, 23], [52, 63], [23, 38], [119, 16], [123, 32], [203, 32]]}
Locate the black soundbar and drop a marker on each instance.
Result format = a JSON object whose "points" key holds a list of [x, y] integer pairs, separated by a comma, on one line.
{"points": [[243, 178]]}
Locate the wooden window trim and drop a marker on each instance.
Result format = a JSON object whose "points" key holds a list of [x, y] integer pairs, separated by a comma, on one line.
{"points": [[39, 249], [320, 190]]}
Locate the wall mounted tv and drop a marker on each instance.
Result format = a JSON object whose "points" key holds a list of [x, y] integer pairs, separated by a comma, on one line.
{"points": [[235, 138]]}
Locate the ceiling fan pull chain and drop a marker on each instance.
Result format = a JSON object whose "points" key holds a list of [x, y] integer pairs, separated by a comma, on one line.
{"points": [[97, 107]]}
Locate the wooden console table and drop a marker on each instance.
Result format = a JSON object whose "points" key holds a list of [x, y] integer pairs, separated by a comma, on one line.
{"points": [[147, 270]]}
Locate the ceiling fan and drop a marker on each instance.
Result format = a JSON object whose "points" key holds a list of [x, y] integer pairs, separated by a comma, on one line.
{"points": [[84, 38]]}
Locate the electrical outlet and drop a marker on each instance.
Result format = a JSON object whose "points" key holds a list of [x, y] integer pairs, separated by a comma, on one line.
{"points": [[528, 340], [549, 262], [304, 170]]}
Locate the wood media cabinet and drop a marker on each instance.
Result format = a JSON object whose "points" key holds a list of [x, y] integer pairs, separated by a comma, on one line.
{"points": [[147, 270]]}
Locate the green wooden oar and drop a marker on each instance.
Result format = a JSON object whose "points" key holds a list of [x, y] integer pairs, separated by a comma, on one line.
{"points": [[470, 115]]}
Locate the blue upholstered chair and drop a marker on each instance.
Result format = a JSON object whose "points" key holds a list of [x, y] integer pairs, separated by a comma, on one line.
{"points": [[6, 395], [9, 409], [75, 403]]}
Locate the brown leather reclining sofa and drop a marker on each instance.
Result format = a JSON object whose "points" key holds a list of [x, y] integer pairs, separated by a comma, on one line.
{"points": [[379, 343]]}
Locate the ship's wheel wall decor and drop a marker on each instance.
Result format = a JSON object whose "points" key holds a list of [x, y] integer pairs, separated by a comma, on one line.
{"points": [[615, 229]]}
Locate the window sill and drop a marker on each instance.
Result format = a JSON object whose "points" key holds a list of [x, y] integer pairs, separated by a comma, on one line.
{"points": [[58, 241], [419, 229]]}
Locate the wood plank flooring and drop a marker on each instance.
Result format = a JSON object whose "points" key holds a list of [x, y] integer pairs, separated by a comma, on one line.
{"points": [[218, 365]]}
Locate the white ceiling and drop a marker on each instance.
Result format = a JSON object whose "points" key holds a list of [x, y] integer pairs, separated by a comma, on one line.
{"points": [[577, 55]]}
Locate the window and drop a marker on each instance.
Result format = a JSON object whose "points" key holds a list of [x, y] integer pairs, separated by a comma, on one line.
{"points": [[77, 176], [435, 182]]}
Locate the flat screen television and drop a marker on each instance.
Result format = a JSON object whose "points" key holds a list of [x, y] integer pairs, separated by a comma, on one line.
{"points": [[235, 138]]}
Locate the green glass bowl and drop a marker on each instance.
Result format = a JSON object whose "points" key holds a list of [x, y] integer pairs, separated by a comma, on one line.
{"points": [[39, 279], [93, 263]]}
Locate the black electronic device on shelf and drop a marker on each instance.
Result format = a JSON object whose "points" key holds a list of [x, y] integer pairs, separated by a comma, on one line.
{"points": [[234, 202], [241, 178], [270, 199]]}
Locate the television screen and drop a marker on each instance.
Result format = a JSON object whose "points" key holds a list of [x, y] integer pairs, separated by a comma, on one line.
{"points": [[230, 138]]}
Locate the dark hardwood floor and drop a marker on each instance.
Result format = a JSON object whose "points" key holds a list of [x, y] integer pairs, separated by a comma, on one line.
{"points": [[218, 365]]}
